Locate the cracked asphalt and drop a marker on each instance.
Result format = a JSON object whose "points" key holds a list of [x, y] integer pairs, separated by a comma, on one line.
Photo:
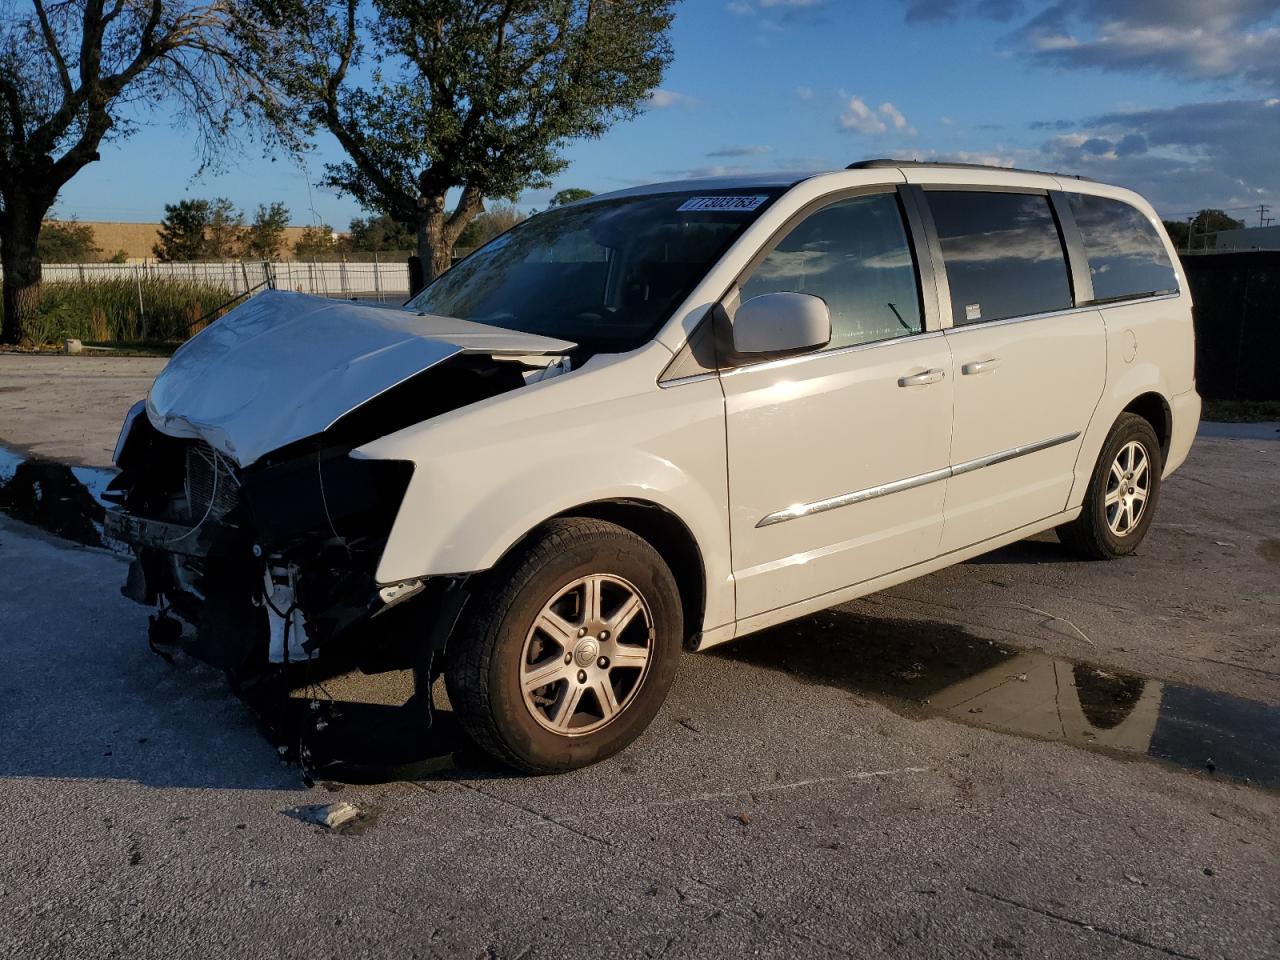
{"points": [[782, 804]]}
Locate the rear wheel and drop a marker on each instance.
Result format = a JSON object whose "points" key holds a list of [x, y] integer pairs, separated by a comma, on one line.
{"points": [[1122, 494], [568, 650]]}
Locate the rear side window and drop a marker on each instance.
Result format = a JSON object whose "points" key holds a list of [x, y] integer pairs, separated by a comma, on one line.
{"points": [[1002, 253], [853, 254], [1127, 258]]}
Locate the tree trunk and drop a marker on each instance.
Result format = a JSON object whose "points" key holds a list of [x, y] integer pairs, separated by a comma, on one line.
{"points": [[437, 233], [19, 231], [434, 248]]}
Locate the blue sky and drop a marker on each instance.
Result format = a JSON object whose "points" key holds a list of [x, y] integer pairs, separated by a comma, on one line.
{"points": [[1179, 99]]}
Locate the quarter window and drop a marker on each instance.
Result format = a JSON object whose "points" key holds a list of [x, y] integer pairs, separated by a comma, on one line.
{"points": [[854, 254], [1126, 256], [1002, 252]]}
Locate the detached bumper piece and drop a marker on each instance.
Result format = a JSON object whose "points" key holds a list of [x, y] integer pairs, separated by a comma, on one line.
{"points": [[143, 533]]}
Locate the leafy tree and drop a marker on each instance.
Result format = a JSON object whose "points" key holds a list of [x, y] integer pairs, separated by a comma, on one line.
{"points": [[380, 233], [77, 73], [315, 242], [498, 219], [478, 96], [265, 234], [1201, 229], [569, 195], [66, 241], [225, 231], [182, 231], [1177, 230]]}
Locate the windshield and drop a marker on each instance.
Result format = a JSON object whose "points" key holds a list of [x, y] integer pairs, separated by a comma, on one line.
{"points": [[605, 275]]}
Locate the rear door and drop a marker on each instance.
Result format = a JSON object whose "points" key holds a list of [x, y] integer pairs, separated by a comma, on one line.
{"points": [[838, 458], [1029, 365]]}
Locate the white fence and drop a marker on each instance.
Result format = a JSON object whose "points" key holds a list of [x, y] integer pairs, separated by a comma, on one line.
{"points": [[383, 281]]}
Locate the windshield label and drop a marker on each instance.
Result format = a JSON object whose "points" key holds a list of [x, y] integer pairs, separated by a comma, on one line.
{"points": [[729, 204]]}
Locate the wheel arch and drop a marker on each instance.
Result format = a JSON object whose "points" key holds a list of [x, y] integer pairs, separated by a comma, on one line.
{"points": [[1154, 408], [667, 534]]}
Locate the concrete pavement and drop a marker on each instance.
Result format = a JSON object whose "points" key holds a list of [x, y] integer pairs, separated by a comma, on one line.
{"points": [[767, 812]]}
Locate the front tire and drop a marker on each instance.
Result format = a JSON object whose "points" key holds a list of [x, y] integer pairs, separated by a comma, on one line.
{"points": [[1122, 494], [568, 649]]}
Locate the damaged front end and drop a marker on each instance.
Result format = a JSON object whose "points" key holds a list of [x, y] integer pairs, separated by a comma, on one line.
{"points": [[256, 534], [266, 565]]}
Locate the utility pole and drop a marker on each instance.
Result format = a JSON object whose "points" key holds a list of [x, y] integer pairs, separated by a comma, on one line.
{"points": [[1191, 225], [1262, 213]]}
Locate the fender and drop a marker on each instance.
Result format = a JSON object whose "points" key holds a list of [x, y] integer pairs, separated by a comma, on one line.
{"points": [[485, 475]]}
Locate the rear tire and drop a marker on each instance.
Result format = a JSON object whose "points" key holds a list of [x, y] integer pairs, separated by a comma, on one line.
{"points": [[1122, 494], [568, 648]]}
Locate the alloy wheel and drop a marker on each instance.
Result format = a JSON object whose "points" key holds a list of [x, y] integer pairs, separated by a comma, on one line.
{"points": [[586, 655], [1128, 488]]}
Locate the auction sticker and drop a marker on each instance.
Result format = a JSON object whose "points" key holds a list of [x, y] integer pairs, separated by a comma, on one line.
{"points": [[729, 204]]}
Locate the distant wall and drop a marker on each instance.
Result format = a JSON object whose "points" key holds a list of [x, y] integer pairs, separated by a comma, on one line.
{"points": [[1237, 319], [137, 240], [1248, 238]]}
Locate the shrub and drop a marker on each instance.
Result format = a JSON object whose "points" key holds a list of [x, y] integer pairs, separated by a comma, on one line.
{"points": [[106, 310]]}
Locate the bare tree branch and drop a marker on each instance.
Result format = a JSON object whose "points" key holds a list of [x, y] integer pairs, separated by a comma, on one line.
{"points": [[51, 44]]}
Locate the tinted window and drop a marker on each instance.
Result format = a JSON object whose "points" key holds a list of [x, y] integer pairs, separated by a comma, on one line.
{"points": [[1002, 253], [854, 255], [1127, 258]]}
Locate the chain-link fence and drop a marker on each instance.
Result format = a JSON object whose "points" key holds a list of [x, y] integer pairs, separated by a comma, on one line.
{"points": [[366, 280]]}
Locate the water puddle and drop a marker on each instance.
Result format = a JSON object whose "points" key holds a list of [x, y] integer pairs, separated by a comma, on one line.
{"points": [[64, 500], [929, 668]]}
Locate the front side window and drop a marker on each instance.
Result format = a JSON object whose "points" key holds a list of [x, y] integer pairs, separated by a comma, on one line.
{"points": [[1126, 256], [854, 254], [1002, 252], [605, 275]]}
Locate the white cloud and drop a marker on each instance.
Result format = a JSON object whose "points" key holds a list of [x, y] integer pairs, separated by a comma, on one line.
{"points": [[663, 99], [860, 118], [804, 93], [752, 150], [741, 9], [948, 122], [1218, 40], [894, 116]]}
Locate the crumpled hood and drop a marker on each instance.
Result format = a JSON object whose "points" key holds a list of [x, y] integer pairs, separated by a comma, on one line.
{"points": [[284, 366]]}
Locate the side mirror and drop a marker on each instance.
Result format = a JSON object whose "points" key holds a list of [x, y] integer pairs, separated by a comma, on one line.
{"points": [[781, 323]]}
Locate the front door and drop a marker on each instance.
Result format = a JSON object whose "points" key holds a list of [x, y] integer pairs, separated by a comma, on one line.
{"points": [[838, 459], [1029, 366]]}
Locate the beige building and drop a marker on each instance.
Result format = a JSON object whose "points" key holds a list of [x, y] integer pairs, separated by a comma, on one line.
{"points": [[138, 239]]}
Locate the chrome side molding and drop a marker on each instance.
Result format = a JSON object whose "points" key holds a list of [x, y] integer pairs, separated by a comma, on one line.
{"points": [[908, 483]]}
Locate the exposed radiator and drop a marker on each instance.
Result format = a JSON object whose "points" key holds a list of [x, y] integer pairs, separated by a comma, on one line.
{"points": [[212, 487]]}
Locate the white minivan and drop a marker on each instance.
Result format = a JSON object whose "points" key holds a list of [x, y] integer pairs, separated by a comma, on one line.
{"points": [[659, 419]]}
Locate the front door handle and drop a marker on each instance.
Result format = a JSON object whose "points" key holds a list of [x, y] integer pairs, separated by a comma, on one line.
{"points": [[920, 379], [980, 366]]}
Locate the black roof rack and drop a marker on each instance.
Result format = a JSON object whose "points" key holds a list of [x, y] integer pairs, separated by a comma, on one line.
{"points": [[888, 162]]}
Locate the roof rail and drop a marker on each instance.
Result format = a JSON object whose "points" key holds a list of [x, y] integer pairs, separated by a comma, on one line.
{"points": [[888, 162]]}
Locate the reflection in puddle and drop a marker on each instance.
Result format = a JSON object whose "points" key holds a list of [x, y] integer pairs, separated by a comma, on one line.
{"points": [[66, 501], [927, 668]]}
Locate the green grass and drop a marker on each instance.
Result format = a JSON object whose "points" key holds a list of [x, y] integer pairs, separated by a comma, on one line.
{"points": [[108, 312], [1240, 411]]}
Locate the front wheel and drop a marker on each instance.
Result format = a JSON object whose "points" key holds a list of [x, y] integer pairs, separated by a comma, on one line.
{"points": [[568, 649], [1122, 494]]}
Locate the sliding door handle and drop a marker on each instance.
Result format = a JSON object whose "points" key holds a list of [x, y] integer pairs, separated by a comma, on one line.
{"points": [[980, 366], [920, 379]]}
